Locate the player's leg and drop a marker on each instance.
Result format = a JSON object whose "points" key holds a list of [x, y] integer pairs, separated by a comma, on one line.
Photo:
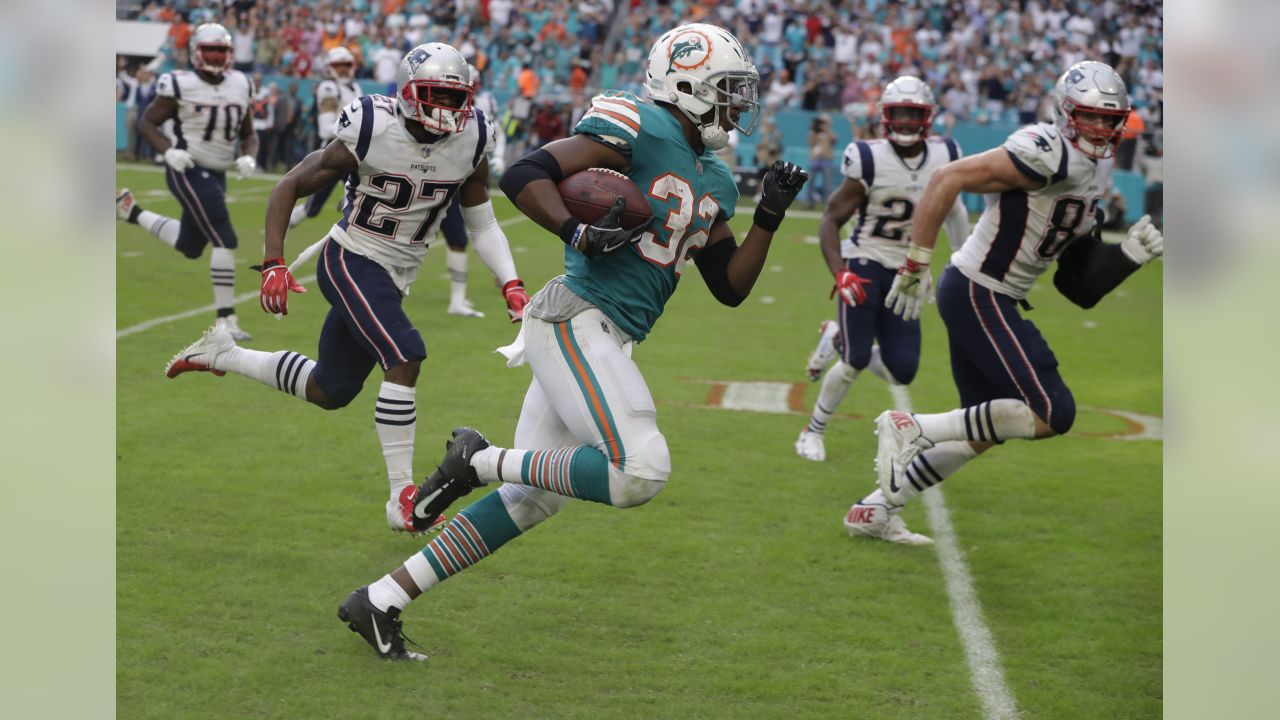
{"points": [[163, 227], [455, 236], [312, 206], [473, 534], [857, 330]]}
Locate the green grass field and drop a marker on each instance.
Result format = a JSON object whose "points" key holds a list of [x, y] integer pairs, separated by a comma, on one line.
{"points": [[244, 517]]}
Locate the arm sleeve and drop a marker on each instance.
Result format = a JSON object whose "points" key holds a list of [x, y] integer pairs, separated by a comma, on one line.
{"points": [[489, 241], [1089, 269], [713, 263]]}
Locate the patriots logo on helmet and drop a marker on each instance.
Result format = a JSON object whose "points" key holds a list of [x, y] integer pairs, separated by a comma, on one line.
{"points": [[1075, 76], [416, 58], [688, 46]]}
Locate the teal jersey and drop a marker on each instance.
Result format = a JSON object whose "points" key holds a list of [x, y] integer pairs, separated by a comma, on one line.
{"points": [[686, 192]]}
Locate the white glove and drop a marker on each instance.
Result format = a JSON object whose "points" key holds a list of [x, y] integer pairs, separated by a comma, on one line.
{"points": [[179, 160], [913, 284], [1144, 243], [245, 165]]}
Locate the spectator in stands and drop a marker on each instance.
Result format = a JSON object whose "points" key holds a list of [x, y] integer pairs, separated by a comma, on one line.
{"points": [[822, 142], [782, 91], [263, 108], [286, 113], [548, 124], [145, 93]]}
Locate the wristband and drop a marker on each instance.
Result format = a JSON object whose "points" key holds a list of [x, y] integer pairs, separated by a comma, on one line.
{"points": [[766, 220], [569, 231], [917, 257], [271, 262]]}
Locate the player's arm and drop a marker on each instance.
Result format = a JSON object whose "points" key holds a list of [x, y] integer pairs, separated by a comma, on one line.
{"points": [[245, 163], [1091, 268], [315, 171], [161, 110], [489, 240], [990, 172], [531, 183], [730, 270], [957, 224], [842, 204]]}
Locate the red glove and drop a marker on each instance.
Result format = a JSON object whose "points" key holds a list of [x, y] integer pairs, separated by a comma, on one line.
{"points": [[849, 285], [277, 283], [517, 298]]}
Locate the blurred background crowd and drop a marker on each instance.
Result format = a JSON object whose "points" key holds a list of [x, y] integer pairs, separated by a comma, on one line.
{"points": [[822, 62]]}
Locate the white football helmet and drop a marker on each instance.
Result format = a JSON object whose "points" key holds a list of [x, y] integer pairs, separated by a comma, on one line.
{"points": [[434, 84], [207, 42], [700, 67], [910, 126], [340, 64], [1095, 89]]}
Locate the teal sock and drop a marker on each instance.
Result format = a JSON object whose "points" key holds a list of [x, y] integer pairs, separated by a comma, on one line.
{"points": [[576, 472], [472, 535]]}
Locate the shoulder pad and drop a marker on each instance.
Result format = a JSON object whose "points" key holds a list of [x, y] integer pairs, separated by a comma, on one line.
{"points": [[1039, 152], [167, 86], [363, 119], [950, 146], [613, 117], [859, 163], [326, 88]]}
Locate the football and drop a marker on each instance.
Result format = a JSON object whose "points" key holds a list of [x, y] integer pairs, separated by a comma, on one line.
{"points": [[590, 194]]}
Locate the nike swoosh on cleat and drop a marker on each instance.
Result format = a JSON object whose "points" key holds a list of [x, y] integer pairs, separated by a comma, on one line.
{"points": [[382, 647], [893, 486], [419, 508]]}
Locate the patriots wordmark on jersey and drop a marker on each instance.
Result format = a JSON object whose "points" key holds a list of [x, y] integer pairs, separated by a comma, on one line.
{"points": [[397, 198], [1021, 233], [209, 115], [894, 187], [686, 192]]}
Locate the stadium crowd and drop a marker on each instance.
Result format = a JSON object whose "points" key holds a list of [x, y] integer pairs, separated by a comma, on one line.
{"points": [[987, 60]]}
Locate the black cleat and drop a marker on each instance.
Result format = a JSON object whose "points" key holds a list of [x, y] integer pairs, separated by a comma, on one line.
{"points": [[380, 629], [453, 478]]}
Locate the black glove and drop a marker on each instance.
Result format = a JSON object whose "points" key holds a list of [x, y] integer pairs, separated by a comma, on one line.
{"points": [[778, 190], [604, 236]]}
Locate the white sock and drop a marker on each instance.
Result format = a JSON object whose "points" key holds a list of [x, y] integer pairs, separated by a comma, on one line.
{"points": [[386, 593], [222, 271], [932, 466], [298, 215], [285, 370], [457, 264], [424, 576], [395, 417], [165, 228], [495, 464], [994, 421], [877, 368], [835, 386]]}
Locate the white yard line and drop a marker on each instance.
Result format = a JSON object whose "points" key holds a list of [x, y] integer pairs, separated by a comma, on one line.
{"points": [[242, 297], [979, 646]]}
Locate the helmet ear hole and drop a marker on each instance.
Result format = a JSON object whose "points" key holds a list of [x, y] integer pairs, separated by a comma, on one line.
{"points": [[684, 87]]}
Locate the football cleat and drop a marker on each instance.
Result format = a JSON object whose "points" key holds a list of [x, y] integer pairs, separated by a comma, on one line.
{"points": [[826, 351], [200, 355], [877, 520], [810, 446], [125, 205], [382, 630], [465, 309], [400, 513], [232, 324], [900, 442], [453, 478]]}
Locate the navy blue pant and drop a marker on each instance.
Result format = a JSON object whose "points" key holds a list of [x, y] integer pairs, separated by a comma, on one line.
{"points": [[996, 353], [366, 324], [453, 227], [871, 321], [203, 196]]}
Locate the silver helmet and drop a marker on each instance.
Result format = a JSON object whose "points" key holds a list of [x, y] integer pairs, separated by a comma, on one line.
{"points": [[213, 39], [434, 87], [1090, 106], [906, 110], [700, 67], [334, 62]]}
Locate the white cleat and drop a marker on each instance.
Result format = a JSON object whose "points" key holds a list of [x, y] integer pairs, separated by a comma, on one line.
{"points": [[400, 513], [201, 355], [826, 351], [879, 521], [124, 204], [900, 442], [465, 309], [232, 324], [810, 446]]}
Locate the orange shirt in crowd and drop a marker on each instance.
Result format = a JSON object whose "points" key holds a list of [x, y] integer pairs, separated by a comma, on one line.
{"points": [[578, 79], [528, 82], [1133, 126]]}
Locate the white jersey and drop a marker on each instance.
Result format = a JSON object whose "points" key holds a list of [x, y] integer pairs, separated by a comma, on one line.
{"points": [[345, 93], [1021, 233], [398, 196], [209, 116], [894, 187]]}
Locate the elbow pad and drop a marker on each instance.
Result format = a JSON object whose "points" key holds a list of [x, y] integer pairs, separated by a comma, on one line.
{"points": [[537, 165], [1090, 269], [713, 263]]}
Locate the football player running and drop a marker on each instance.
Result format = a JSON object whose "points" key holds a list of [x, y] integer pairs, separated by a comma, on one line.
{"points": [[883, 182], [405, 158], [209, 105], [338, 90], [1042, 189], [588, 428]]}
